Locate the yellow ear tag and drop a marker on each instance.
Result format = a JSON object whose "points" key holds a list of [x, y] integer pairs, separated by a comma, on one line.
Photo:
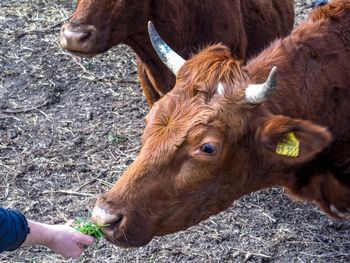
{"points": [[289, 146]]}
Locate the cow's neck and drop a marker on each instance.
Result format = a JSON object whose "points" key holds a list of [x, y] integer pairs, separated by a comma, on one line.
{"points": [[288, 98], [154, 71], [268, 176]]}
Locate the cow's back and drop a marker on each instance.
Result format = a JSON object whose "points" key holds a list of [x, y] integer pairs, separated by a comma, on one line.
{"points": [[265, 20]]}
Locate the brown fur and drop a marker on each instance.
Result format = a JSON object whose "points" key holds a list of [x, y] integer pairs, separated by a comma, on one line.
{"points": [[244, 26], [174, 184]]}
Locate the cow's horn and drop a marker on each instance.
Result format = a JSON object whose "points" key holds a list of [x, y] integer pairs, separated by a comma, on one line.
{"points": [[259, 93], [169, 57]]}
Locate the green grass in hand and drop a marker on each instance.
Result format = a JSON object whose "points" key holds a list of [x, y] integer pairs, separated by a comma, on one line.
{"points": [[88, 228]]}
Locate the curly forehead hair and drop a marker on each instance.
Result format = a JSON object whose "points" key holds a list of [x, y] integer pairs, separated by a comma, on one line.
{"points": [[212, 64], [200, 76]]}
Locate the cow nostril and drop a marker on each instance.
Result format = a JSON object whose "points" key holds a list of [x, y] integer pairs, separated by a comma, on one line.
{"points": [[115, 223], [84, 36], [77, 34]]}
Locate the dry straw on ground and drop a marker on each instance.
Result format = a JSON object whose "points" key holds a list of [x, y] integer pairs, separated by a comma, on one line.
{"points": [[69, 127]]}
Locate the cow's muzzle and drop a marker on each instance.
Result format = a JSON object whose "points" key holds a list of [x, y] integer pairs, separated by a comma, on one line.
{"points": [[80, 39], [118, 226]]}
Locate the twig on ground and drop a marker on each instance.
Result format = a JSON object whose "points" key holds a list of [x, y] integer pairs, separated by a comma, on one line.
{"points": [[92, 181], [41, 31], [9, 117], [70, 192], [17, 111], [9, 168], [249, 254], [108, 184], [329, 255]]}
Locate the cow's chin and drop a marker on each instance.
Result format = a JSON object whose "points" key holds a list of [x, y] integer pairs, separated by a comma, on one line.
{"points": [[125, 238], [85, 53], [82, 54], [136, 235]]}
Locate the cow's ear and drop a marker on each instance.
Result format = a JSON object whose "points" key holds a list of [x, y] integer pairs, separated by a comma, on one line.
{"points": [[292, 141]]}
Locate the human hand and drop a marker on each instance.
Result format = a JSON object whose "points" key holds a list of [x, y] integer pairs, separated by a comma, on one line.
{"points": [[67, 241], [62, 239]]}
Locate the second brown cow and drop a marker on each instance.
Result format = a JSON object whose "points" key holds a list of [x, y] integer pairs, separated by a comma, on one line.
{"points": [[187, 25]]}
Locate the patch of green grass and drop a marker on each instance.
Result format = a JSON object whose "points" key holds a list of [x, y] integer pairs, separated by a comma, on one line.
{"points": [[118, 138], [88, 228]]}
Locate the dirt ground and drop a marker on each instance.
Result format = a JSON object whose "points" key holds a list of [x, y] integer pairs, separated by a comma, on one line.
{"points": [[69, 127]]}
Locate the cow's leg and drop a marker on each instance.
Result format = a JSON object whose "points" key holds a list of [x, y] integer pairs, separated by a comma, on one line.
{"points": [[337, 194], [150, 92], [325, 190]]}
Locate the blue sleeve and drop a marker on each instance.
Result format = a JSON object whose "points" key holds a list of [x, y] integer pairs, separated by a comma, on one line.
{"points": [[13, 229]]}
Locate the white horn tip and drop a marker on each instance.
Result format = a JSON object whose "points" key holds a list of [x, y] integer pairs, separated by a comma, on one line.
{"points": [[169, 57], [258, 93], [272, 79]]}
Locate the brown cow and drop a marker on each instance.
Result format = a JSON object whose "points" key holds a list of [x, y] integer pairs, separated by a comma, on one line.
{"points": [[244, 26], [218, 136]]}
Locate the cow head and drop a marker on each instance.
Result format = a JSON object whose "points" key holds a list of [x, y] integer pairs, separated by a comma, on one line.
{"points": [[98, 25], [206, 143]]}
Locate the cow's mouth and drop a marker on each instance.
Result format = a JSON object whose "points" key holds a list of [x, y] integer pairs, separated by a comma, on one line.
{"points": [[121, 237], [111, 236], [121, 228]]}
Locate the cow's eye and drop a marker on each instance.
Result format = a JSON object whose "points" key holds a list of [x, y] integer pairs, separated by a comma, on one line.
{"points": [[208, 148]]}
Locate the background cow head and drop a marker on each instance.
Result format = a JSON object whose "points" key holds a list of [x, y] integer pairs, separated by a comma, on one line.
{"points": [[203, 147], [98, 25]]}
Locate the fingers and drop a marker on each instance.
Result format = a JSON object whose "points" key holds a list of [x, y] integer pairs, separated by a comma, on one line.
{"points": [[80, 237], [77, 247], [85, 240]]}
